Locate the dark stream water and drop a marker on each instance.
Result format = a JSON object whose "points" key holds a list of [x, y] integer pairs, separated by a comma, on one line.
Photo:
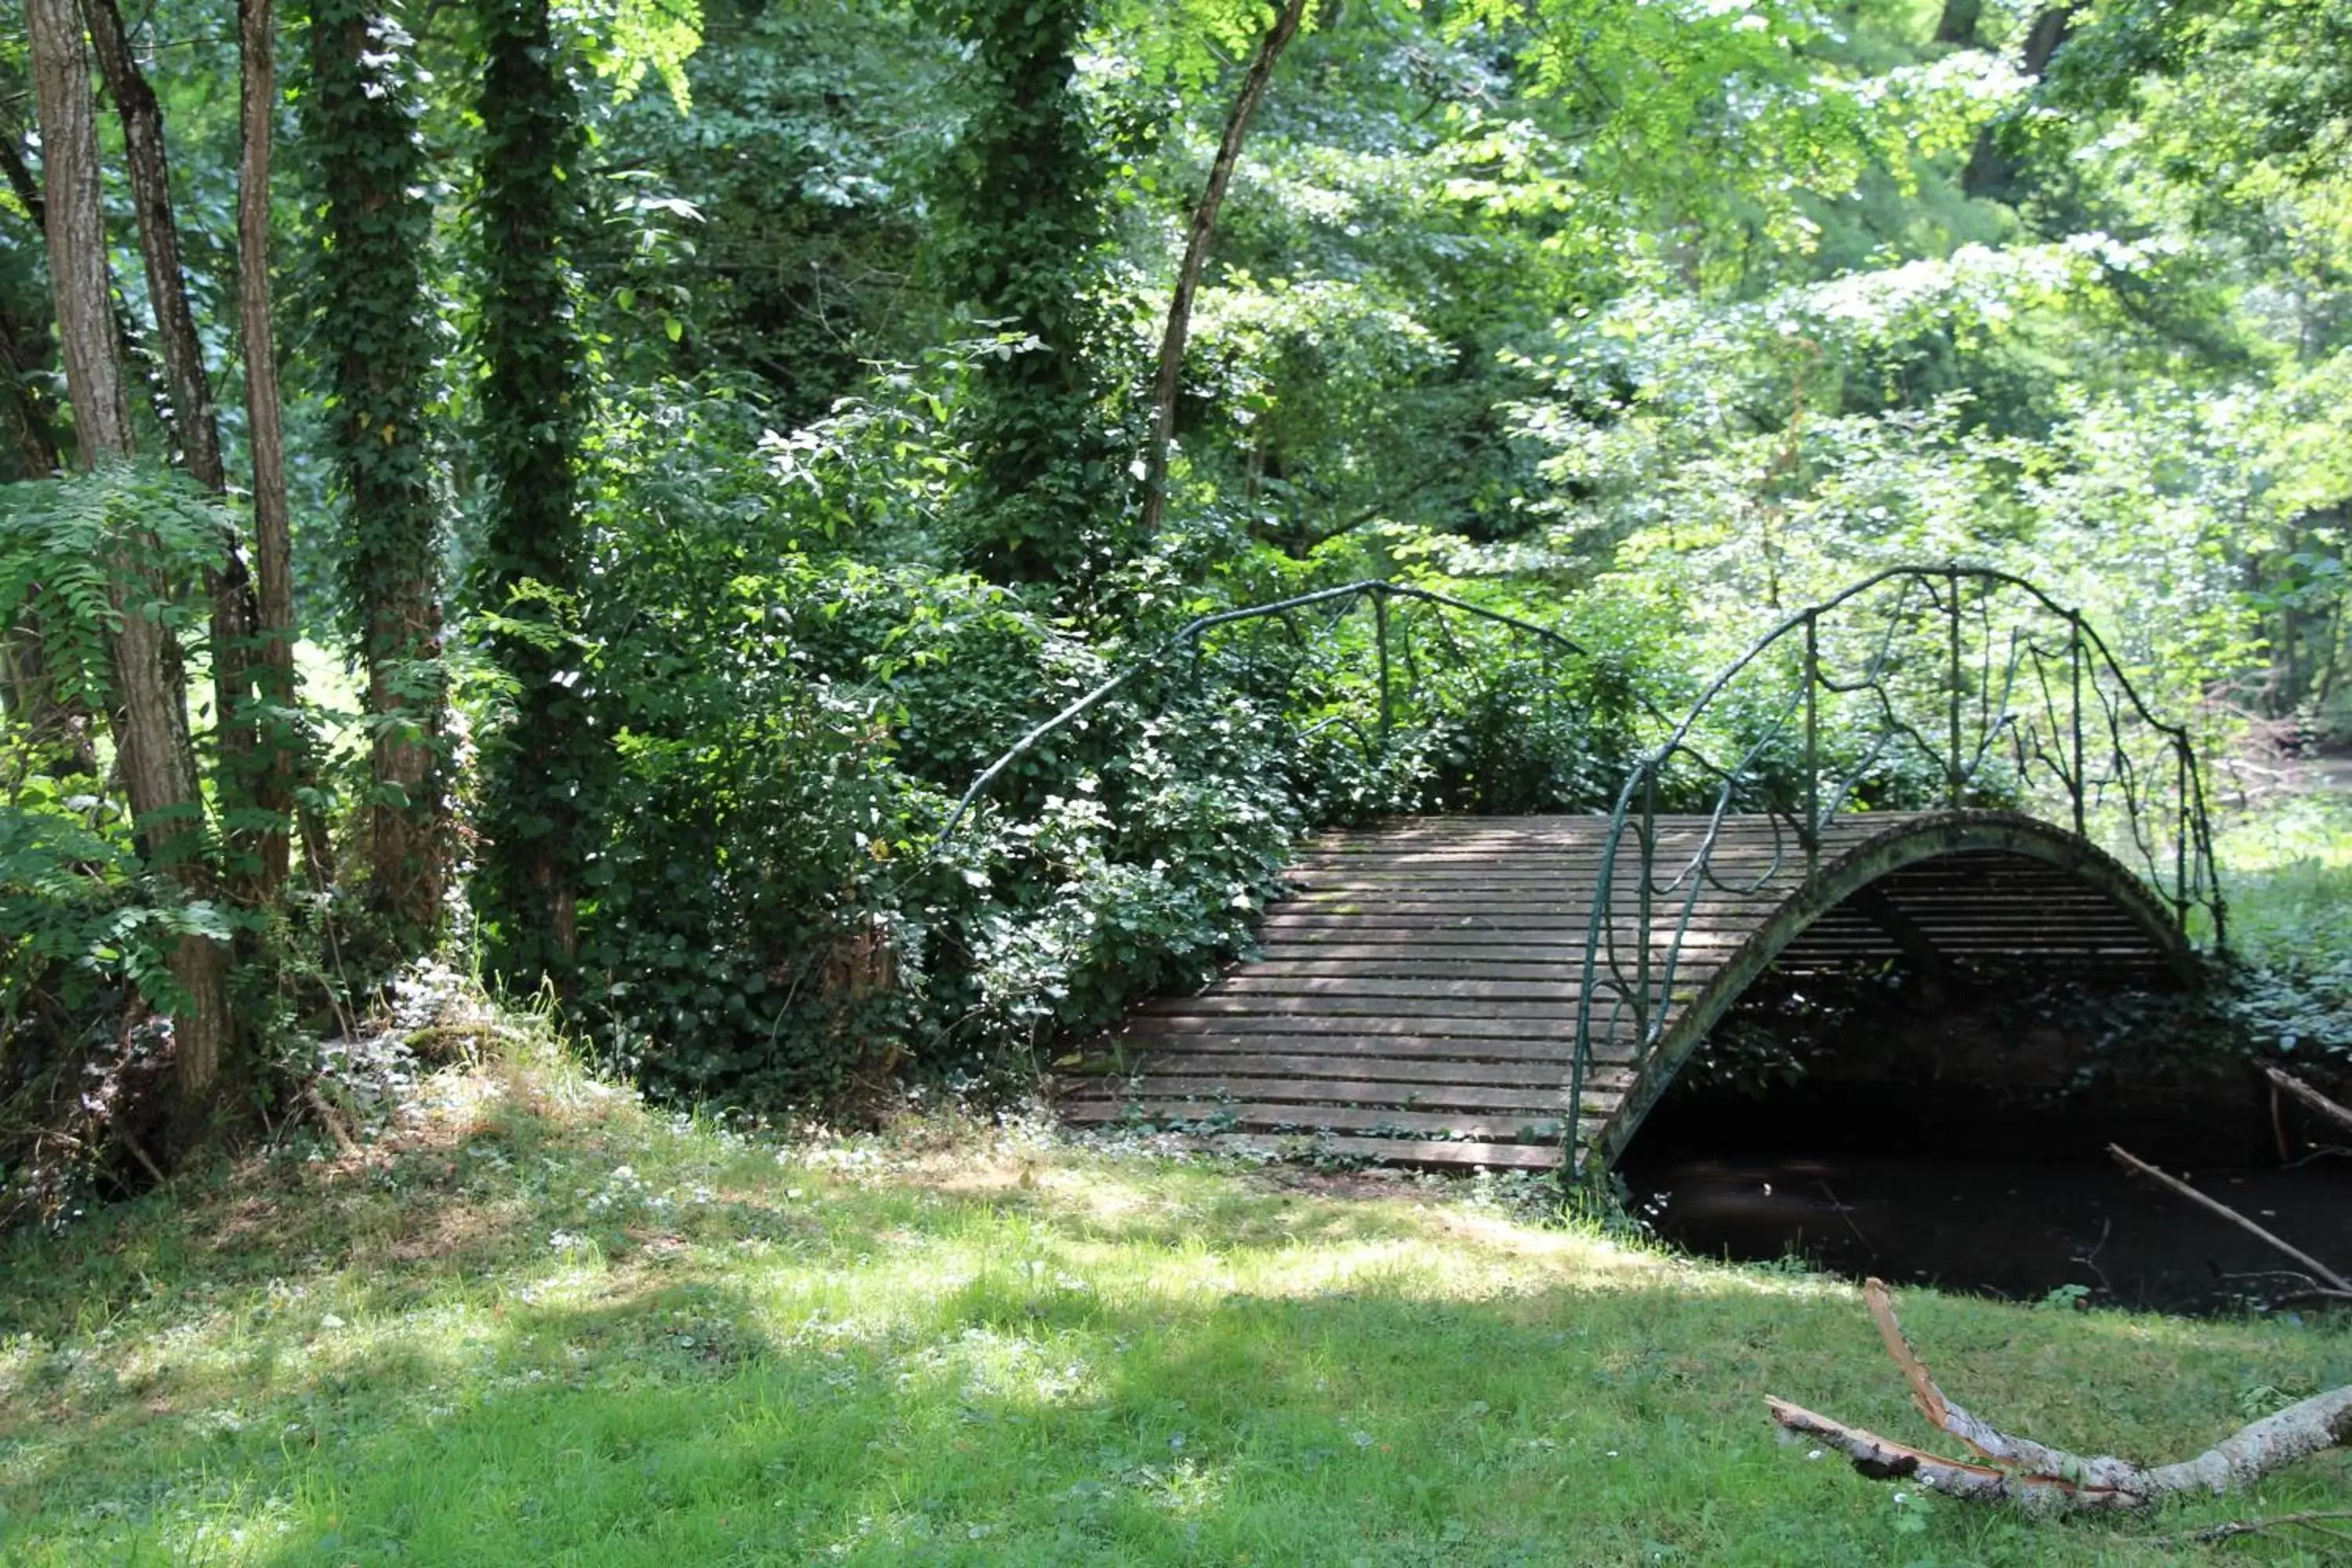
{"points": [[1997, 1224], [1963, 1143]]}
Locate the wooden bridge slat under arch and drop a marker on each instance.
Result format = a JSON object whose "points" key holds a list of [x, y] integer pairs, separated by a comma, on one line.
{"points": [[1418, 999]]}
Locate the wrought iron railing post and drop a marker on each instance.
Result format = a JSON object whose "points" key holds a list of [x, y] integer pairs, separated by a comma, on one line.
{"points": [[1811, 836], [1952, 706], [2078, 782], [2180, 831], [1380, 635], [1649, 839]]}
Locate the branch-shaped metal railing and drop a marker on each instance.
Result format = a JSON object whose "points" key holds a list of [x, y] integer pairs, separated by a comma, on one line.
{"points": [[1188, 639], [1969, 688]]}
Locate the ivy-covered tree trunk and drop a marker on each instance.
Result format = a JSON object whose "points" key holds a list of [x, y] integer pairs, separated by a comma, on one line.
{"points": [[1021, 246], [376, 334], [273, 537], [194, 427], [154, 751], [541, 758]]}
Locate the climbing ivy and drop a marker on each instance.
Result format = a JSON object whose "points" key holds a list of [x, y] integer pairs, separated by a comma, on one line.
{"points": [[1022, 244], [374, 325], [541, 751]]}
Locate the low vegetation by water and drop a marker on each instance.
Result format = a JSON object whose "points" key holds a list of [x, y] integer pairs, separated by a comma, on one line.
{"points": [[533, 1320]]}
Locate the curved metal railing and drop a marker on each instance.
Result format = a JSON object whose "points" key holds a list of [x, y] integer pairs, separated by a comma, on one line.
{"points": [[1336, 602], [1973, 682]]}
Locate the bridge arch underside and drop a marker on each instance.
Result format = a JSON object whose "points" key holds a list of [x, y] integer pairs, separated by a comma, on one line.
{"points": [[1943, 894], [1416, 998]]}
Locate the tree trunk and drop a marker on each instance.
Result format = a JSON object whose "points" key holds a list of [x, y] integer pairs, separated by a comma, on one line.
{"points": [[540, 760], [1958, 25], [380, 354], [1196, 257], [1991, 172], [194, 425], [273, 545], [151, 723]]}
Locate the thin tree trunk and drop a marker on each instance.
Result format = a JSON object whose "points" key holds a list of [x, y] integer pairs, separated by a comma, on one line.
{"points": [[273, 546], [151, 723], [194, 427], [1196, 257], [27, 693]]}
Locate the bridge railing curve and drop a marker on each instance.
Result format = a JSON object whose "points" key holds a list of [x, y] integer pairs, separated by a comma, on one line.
{"points": [[1966, 685], [1390, 645]]}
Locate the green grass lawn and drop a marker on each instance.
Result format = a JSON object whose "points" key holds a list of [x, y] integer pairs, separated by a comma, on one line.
{"points": [[542, 1324]]}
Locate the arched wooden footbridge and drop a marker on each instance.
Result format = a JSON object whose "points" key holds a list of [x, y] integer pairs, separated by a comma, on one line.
{"points": [[1517, 992], [1424, 995]]}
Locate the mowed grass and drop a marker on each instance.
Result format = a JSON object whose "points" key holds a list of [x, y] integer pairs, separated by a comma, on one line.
{"points": [[545, 1325]]}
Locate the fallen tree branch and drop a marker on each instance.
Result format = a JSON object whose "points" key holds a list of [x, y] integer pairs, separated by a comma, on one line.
{"points": [[2132, 1162], [2311, 1097], [2043, 1480]]}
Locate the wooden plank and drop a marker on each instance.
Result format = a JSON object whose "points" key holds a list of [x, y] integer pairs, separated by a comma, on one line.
{"points": [[1152, 1021], [1554, 1052], [1431, 1015], [1363, 1093], [1549, 1073], [1253, 981], [1393, 1151], [1405, 968], [1468, 1125], [1527, 956]]}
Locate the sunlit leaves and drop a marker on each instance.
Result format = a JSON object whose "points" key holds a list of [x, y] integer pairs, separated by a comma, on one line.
{"points": [[628, 40]]}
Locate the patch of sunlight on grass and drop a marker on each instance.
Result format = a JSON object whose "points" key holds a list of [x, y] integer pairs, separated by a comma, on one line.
{"points": [[548, 1324], [2287, 872]]}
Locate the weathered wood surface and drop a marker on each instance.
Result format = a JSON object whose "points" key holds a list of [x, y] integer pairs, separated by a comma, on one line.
{"points": [[1416, 998]]}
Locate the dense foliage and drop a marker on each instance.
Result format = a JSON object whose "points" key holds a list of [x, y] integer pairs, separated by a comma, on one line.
{"points": [[698, 487]]}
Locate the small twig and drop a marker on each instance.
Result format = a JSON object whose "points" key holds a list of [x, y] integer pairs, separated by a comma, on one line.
{"points": [[1845, 1213], [2316, 1293], [140, 1155], [2090, 1260], [344, 1142], [2132, 1162], [2317, 1521], [2311, 1289]]}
